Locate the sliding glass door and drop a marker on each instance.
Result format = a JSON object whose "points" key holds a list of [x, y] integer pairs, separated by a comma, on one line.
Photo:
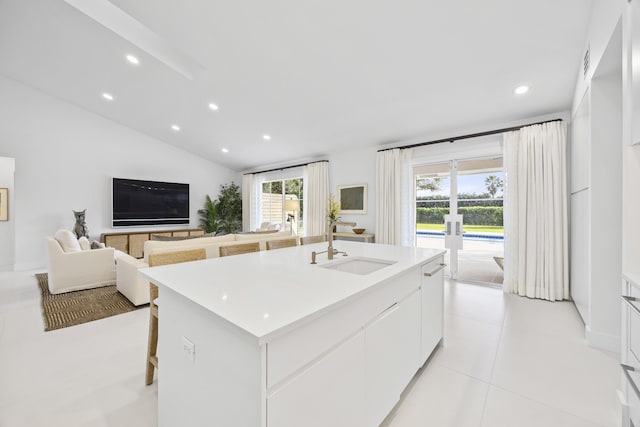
{"points": [[459, 208], [282, 204]]}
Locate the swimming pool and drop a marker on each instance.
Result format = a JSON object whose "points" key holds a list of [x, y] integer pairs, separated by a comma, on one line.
{"points": [[474, 236]]}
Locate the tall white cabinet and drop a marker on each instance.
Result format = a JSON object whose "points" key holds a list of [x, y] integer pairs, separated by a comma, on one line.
{"points": [[596, 198], [630, 302]]}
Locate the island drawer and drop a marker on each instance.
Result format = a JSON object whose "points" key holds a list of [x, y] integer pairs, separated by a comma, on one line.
{"points": [[296, 349], [433, 269]]}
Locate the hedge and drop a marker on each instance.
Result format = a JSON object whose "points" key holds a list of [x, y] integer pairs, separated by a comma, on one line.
{"points": [[421, 203], [476, 215]]}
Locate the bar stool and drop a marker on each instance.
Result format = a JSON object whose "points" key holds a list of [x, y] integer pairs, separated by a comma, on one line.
{"points": [[282, 243], [241, 248], [307, 240], [155, 260]]}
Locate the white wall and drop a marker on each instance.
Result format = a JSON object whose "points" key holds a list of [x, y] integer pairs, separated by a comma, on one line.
{"points": [[604, 18], [355, 167], [65, 158], [7, 166]]}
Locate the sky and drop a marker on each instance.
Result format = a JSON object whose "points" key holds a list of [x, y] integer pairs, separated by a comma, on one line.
{"points": [[466, 184]]}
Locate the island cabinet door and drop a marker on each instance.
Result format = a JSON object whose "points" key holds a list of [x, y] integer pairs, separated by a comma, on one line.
{"points": [[432, 307], [392, 356], [329, 392]]}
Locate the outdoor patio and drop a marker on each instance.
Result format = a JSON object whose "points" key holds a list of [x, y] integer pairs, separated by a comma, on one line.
{"points": [[475, 261]]}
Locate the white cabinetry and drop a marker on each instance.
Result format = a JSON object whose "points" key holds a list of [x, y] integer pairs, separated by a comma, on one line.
{"points": [[392, 349], [328, 393], [596, 200], [631, 348], [634, 20], [630, 291], [359, 380], [432, 307], [580, 253], [580, 147]]}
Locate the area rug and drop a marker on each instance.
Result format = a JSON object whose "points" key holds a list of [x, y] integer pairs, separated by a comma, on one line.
{"points": [[74, 308]]}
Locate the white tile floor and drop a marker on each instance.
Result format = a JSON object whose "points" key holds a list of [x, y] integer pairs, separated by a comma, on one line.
{"points": [[507, 361], [475, 261]]}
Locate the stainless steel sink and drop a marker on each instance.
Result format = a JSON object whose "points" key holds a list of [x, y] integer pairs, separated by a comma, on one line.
{"points": [[358, 265]]}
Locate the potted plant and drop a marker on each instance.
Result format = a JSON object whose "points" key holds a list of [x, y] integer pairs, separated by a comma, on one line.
{"points": [[209, 220], [230, 208], [224, 214], [332, 210]]}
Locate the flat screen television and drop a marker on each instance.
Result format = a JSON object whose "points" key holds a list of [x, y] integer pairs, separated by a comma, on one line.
{"points": [[137, 202]]}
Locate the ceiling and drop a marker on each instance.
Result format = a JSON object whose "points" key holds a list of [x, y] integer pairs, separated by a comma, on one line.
{"points": [[318, 76]]}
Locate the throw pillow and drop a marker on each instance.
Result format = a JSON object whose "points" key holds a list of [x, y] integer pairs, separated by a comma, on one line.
{"points": [[97, 245], [84, 243], [67, 241]]}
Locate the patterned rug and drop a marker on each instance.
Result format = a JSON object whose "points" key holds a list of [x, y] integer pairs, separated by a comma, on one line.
{"points": [[74, 308]]}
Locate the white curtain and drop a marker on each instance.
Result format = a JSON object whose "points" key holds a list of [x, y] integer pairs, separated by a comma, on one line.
{"points": [[316, 197], [395, 199], [251, 203], [535, 216]]}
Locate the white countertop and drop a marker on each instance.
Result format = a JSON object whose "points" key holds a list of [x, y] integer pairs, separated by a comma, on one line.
{"points": [[267, 292]]}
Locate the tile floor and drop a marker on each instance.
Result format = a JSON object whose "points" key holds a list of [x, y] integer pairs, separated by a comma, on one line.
{"points": [[506, 361]]}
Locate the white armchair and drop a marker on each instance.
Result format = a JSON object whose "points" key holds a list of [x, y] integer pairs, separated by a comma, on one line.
{"points": [[73, 271]]}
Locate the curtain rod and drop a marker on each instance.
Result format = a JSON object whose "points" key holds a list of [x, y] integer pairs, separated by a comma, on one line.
{"points": [[287, 167], [471, 135]]}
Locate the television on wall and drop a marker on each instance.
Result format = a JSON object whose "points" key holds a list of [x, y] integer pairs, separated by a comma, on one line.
{"points": [[136, 203]]}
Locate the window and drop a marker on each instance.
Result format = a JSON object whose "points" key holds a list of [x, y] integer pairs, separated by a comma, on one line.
{"points": [[274, 195]]}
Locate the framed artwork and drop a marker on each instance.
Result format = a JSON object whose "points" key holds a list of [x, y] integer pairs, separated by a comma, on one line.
{"points": [[4, 204], [353, 199]]}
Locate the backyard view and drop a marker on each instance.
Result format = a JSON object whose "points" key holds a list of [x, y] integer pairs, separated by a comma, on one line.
{"points": [[274, 195], [479, 199]]}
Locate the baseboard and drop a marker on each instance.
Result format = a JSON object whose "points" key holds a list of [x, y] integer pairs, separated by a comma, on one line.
{"points": [[602, 341]]}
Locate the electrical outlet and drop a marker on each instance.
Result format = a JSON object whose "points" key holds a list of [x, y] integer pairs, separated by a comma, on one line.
{"points": [[189, 349]]}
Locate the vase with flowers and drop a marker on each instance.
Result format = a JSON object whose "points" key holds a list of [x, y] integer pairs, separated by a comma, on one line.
{"points": [[332, 210]]}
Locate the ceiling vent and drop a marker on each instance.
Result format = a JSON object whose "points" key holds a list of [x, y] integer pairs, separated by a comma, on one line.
{"points": [[586, 62]]}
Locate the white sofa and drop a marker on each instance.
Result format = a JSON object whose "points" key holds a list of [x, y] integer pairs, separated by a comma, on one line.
{"points": [[136, 289], [83, 269]]}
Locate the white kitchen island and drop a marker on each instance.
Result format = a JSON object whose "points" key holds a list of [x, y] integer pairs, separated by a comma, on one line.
{"points": [[268, 340]]}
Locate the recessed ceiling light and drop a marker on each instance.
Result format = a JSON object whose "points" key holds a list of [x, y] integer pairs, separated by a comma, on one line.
{"points": [[107, 96], [175, 127], [225, 150], [521, 90], [132, 59], [213, 106], [266, 137]]}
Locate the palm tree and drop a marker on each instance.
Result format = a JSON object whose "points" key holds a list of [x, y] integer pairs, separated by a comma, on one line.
{"points": [[493, 184]]}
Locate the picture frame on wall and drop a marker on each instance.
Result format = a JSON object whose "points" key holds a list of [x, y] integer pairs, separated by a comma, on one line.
{"points": [[4, 204], [353, 198]]}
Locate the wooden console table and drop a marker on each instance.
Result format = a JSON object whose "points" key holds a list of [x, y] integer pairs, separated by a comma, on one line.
{"points": [[365, 237], [132, 243]]}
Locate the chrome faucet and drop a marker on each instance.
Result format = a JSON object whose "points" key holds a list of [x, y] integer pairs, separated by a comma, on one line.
{"points": [[330, 250]]}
